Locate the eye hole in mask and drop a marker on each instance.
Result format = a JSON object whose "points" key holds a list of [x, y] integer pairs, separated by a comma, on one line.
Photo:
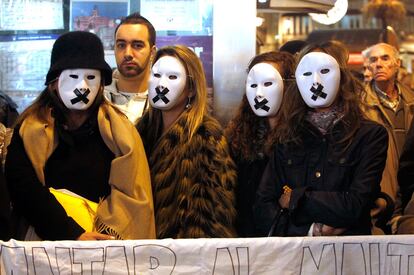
{"points": [[253, 86], [325, 71], [90, 77], [267, 84], [307, 73], [75, 76], [157, 75], [172, 77]]}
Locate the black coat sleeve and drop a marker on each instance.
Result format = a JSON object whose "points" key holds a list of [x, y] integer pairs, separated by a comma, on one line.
{"points": [[406, 168], [5, 232], [344, 208], [268, 192], [32, 200]]}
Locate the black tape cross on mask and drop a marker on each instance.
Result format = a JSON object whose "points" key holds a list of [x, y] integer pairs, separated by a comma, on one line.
{"points": [[80, 96], [261, 104], [161, 95], [318, 92]]}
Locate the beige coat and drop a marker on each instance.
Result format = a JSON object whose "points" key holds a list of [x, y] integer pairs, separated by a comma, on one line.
{"points": [[374, 110], [128, 212]]}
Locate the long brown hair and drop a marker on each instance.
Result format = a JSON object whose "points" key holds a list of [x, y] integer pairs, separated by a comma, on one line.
{"points": [[249, 135], [294, 109], [196, 83]]}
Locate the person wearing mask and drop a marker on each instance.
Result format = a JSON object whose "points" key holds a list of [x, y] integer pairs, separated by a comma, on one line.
{"points": [[193, 175], [325, 170], [250, 133], [71, 138], [134, 49]]}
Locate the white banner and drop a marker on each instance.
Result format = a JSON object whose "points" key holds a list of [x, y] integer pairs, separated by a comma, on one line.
{"points": [[318, 255]]}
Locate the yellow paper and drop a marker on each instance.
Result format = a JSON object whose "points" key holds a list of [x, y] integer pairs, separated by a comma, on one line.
{"points": [[78, 208]]}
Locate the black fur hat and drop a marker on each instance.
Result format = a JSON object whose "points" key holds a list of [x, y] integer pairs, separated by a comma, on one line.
{"points": [[78, 50]]}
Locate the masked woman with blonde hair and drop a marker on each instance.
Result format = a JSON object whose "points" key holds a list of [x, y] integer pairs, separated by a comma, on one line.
{"points": [[193, 176]]}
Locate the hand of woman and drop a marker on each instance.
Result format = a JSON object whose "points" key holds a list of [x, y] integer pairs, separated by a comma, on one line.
{"points": [[94, 236], [380, 206], [320, 229], [284, 200], [332, 231]]}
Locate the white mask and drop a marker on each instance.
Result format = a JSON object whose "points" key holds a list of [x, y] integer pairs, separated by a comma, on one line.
{"points": [[318, 77], [166, 83], [264, 89], [78, 87]]}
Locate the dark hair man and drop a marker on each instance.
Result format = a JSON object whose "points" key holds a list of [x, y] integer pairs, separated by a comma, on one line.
{"points": [[134, 50]]}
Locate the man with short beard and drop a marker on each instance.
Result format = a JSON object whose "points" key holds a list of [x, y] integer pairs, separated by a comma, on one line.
{"points": [[134, 50]]}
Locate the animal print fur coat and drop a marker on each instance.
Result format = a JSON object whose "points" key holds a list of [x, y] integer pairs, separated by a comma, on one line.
{"points": [[193, 180]]}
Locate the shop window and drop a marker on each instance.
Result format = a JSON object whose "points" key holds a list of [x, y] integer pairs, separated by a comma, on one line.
{"points": [[28, 29]]}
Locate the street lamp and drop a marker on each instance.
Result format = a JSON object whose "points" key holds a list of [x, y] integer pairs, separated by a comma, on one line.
{"points": [[333, 15]]}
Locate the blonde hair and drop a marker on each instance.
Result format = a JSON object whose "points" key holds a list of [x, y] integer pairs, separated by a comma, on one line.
{"points": [[196, 84]]}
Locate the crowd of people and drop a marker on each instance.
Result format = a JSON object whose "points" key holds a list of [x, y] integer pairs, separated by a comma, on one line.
{"points": [[311, 151]]}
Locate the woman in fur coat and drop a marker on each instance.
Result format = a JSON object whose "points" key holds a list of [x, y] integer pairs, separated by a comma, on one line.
{"points": [[250, 133], [193, 176]]}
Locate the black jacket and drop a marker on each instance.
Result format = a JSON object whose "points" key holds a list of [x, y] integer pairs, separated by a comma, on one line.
{"points": [[8, 110], [249, 174], [406, 168], [80, 163], [331, 184], [4, 210]]}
